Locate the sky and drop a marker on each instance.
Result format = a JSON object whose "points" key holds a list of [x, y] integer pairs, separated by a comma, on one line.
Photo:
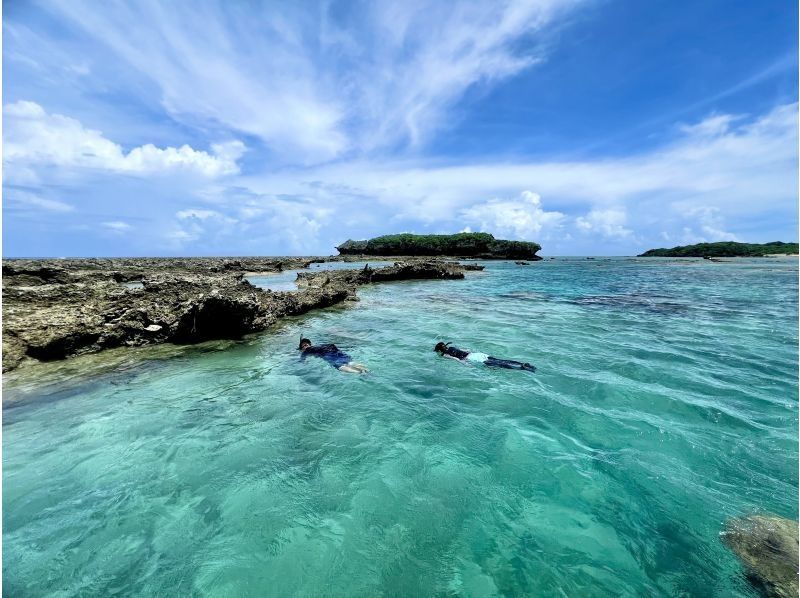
{"points": [[593, 127]]}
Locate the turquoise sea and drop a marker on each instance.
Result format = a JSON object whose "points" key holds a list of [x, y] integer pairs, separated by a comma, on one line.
{"points": [[664, 403]]}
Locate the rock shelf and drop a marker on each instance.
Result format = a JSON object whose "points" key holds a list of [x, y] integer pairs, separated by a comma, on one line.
{"points": [[55, 309]]}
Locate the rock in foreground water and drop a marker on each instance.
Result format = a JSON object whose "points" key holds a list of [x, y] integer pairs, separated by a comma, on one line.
{"points": [[768, 548]]}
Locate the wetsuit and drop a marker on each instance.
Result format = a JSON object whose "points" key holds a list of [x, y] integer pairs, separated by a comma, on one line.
{"points": [[487, 360], [329, 353]]}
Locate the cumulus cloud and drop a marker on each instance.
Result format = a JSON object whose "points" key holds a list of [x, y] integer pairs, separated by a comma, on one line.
{"points": [[260, 223], [293, 222], [520, 218], [706, 226], [32, 137], [194, 224], [609, 223]]}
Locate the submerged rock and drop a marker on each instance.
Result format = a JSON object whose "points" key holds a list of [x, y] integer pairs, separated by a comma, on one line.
{"points": [[768, 548]]}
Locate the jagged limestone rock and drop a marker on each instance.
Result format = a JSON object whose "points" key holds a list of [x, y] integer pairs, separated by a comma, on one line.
{"points": [[83, 306]]}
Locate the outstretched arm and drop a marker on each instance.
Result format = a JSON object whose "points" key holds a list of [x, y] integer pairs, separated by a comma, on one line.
{"points": [[455, 359]]}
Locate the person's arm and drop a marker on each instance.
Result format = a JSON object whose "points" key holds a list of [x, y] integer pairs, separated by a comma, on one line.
{"points": [[456, 359]]}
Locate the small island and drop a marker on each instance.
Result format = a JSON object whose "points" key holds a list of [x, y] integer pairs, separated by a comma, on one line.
{"points": [[473, 245], [726, 249]]}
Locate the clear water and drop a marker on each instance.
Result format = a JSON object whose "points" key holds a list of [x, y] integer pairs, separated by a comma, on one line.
{"points": [[287, 280], [665, 402]]}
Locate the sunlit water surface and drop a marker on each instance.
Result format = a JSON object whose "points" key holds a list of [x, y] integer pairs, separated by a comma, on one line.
{"points": [[665, 402]]}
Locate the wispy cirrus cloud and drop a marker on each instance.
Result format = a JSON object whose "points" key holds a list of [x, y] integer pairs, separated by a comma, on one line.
{"points": [[116, 226], [300, 81], [17, 200]]}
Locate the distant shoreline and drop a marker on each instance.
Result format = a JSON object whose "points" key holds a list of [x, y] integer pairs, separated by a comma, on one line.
{"points": [[726, 249]]}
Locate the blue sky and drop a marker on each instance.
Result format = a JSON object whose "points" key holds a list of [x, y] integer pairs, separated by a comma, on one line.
{"points": [[595, 127]]}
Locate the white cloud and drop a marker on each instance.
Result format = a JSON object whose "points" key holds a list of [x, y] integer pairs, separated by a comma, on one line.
{"points": [[710, 224], [198, 214], [755, 159], [257, 223], [629, 200], [81, 69], [295, 224], [521, 218], [609, 223], [117, 226], [24, 200], [32, 137], [297, 77], [713, 126], [196, 224], [430, 53]]}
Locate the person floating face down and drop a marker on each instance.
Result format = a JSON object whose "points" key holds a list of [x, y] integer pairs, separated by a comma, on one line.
{"points": [[331, 353], [445, 350]]}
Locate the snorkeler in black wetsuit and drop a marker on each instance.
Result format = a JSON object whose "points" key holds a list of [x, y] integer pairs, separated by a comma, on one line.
{"points": [[331, 353], [445, 350]]}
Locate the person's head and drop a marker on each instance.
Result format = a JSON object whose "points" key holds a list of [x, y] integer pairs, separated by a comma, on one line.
{"points": [[441, 347], [304, 344]]}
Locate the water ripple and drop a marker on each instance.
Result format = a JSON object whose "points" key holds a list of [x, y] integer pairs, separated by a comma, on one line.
{"points": [[665, 401]]}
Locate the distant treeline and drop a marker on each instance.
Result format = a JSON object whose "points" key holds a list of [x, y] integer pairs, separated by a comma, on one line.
{"points": [[461, 244], [725, 249]]}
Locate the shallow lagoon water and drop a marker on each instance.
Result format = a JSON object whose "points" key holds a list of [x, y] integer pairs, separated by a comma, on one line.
{"points": [[665, 401]]}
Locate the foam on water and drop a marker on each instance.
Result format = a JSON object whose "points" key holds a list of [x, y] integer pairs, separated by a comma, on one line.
{"points": [[665, 402]]}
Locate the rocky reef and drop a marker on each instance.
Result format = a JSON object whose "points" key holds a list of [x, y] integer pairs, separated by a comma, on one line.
{"points": [[768, 548], [54, 309], [411, 270], [476, 245], [725, 249]]}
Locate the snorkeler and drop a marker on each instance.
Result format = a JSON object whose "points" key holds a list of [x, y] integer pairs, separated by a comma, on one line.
{"points": [[331, 353], [445, 350]]}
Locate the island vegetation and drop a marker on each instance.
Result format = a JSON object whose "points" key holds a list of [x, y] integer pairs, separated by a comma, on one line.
{"points": [[726, 249], [477, 245]]}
